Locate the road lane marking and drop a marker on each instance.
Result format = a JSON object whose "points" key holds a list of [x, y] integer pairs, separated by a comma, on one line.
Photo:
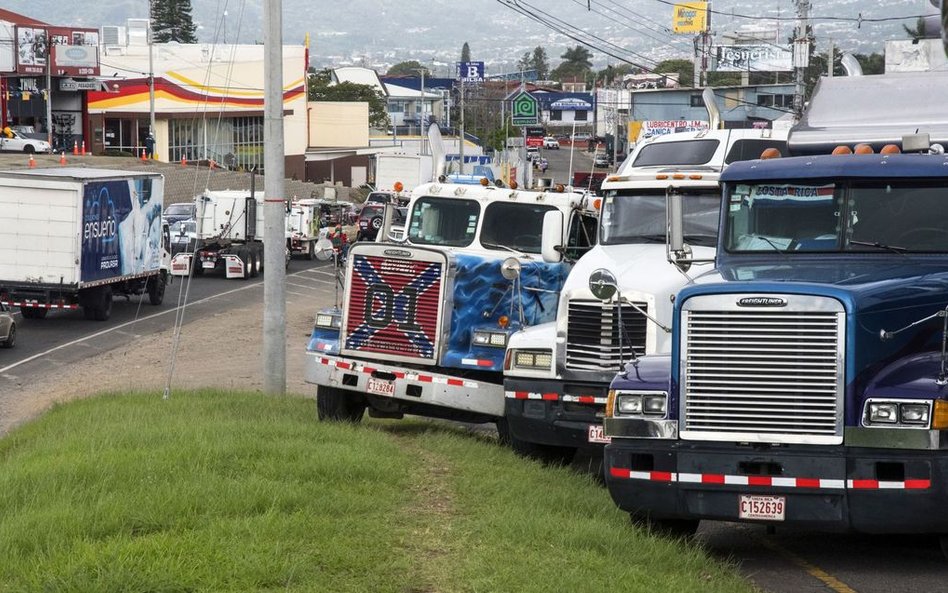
{"points": [[811, 569], [121, 326], [306, 286]]}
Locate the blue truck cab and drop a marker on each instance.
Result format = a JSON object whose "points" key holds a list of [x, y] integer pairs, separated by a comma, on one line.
{"points": [[807, 380]]}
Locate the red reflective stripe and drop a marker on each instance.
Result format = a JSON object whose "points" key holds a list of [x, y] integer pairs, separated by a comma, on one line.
{"points": [[918, 484], [660, 476], [456, 382], [399, 375], [808, 483], [759, 481], [521, 395], [712, 478], [368, 370], [424, 378], [343, 365], [587, 399], [866, 484], [485, 363], [550, 396], [618, 472]]}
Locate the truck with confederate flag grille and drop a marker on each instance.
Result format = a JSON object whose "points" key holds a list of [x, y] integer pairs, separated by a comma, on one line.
{"points": [[423, 323]]}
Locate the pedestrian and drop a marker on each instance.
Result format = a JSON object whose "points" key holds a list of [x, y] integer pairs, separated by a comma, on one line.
{"points": [[150, 145]]}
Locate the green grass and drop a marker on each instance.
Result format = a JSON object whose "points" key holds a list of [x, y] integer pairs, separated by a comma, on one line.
{"points": [[235, 492]]}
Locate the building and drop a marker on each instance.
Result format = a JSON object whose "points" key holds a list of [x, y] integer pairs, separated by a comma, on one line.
{"points": [[208, 101]]}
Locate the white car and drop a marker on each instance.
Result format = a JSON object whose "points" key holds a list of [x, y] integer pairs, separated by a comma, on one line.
{"points": [[20, 143], [551, 143], [7, 328]]}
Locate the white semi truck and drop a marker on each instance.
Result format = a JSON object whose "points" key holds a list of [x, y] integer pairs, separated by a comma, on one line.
{"points": [[229, 235], [72, 238], [557, 374]]}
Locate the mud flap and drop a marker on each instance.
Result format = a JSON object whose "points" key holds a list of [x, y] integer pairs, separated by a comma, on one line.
{"points": [[234, 266], [181, 264]]}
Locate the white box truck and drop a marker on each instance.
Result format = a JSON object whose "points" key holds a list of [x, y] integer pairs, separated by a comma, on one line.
{"points": [[71, 238]]}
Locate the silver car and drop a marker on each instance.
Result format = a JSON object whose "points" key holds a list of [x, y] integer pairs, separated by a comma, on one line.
{"points": [[7, 328]]}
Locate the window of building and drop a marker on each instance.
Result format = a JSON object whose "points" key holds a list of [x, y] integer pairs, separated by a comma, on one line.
{"points": [[697, 101], [236, 141], [580, 115], [556, 115]]}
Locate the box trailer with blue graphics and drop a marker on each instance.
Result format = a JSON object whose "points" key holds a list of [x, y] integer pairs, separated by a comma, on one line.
{"points": [[71, 238]]}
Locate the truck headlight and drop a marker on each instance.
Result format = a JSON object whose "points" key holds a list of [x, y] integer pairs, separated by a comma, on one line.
{"points": [[328, 320], [489, 338], [652, 404], [533, 360], [910, 414]]}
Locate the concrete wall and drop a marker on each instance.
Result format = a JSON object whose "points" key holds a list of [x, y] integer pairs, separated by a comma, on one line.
{"points": [[338, 124]]}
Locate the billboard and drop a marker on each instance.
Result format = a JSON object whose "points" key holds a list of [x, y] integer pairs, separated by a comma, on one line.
{"points": [[650, 80], [469, 71], [640, 130], [75, 52], [753, 58], [690, 17], [121, 228]]}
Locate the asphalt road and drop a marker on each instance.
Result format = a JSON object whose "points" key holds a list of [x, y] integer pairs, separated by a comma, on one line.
{"points": [[65, 337], [559, 164]]}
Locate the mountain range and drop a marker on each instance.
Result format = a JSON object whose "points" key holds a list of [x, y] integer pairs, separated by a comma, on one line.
{"points": [[379, 33]]}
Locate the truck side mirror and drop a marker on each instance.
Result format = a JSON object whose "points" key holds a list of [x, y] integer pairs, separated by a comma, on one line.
{"points": [[674, 221], [552, 237]]}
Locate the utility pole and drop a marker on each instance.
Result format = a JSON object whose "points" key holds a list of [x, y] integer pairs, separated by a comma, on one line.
{"points": [[461, 143], [424, 120], [801, 53], [49, 90], [274, 208], [151, 75]]}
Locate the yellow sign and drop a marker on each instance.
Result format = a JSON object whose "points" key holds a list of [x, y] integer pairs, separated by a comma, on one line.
{"points": [[690, 17]]}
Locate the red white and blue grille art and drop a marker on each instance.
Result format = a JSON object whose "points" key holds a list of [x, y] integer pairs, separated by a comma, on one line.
{"points": [[393, 306]]}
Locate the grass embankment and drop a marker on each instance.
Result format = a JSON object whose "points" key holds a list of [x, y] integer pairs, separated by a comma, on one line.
{"points": [[225, 492]]}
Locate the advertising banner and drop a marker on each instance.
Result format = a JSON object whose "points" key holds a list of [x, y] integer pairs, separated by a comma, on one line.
{"points": [[469, 71], [690, 17], [121, 228], [753, 58], [75, 52], [640, 130]]}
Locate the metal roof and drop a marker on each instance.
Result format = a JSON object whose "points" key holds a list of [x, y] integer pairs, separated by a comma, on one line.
{"points": [[75, 174], [877, 110], [839, 167]]}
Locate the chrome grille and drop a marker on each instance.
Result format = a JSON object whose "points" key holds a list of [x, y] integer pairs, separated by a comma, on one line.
{"points": [[592, 335], [765, 374]]}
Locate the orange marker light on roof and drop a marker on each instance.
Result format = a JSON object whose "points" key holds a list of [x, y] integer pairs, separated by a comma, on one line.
{"points": [[842, 150], [770, 153], [890, 149], [863, 149], [398, 186], [695, 176], [485, 182], [560, 188], [678, 176], [503, 321], [597, 203], [513, 184], [661, 176]]}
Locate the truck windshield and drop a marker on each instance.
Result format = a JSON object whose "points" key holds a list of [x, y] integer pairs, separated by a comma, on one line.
{"points": [[513, 225], [443, 221], [637, 216], [867, 216], [685, 152]]}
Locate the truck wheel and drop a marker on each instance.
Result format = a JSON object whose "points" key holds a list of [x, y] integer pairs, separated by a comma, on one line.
{"points": [[338, 405], [33, 312], [311, 251], [547, 454], [156, 289], [254, 264], [99, 307], [11, 338], [671, 528]]}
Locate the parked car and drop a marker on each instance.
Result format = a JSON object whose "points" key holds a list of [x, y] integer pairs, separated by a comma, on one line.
{"points": [[183, 236], [180, 211], [20, 143], [7, 328], [533, 153], [582, 137], [370, 220], [601, 160], [551, 143]]}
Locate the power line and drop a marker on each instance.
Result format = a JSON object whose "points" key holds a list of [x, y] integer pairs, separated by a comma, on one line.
{"points": [[860, 19]]}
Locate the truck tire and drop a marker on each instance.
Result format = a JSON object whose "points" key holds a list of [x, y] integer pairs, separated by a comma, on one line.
{"points": [[196, 268], [546, 454], [311, 250], [338, 405], [33, 312], [156, 289], [99, 304], [254, 264], [245, 256]]}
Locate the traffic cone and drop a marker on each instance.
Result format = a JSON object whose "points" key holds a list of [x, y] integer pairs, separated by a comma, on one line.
{"points": [[143, 155], [184, 161], [212, 164], [62, 158], [82, 150], [75, 148], [32, 162]]}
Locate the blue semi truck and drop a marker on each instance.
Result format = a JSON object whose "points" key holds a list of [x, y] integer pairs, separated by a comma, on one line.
{"points": [[808, 378]]}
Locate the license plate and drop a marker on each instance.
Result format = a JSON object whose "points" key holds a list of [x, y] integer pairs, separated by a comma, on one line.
{"points": [[595, 434], [207, 264], [762, 508], [380, 387]]}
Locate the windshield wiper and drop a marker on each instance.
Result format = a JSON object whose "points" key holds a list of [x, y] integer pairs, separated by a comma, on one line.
{"points": [[772, 244], [648, 238], [877, 245], [504, 247]]}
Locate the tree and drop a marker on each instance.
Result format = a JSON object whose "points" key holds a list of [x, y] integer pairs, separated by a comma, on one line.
{"points": [[320, 88], [684, 68], [409, 68], [918, 32], [465, 52], [171, 21], [535, 60], [576, 64]]}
